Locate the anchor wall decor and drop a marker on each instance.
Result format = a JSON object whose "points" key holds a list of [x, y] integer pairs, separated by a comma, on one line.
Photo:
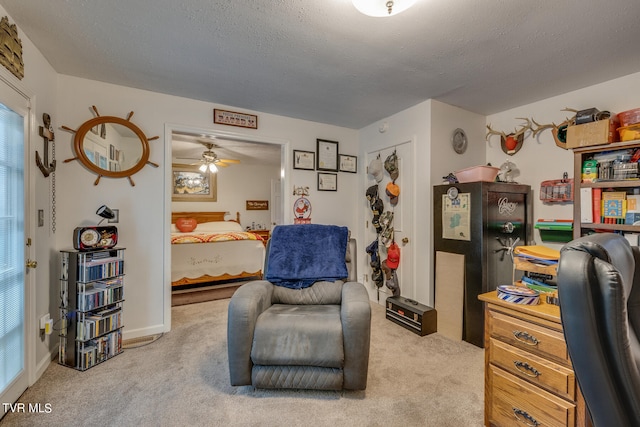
{"points": [[46, 132]]}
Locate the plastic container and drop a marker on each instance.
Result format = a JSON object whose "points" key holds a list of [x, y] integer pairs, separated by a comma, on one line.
{"points": [[630, 133], [629, 117], [477, 173]]}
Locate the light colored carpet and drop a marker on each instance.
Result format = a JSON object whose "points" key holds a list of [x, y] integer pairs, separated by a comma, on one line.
{"points": [[182, 380]]}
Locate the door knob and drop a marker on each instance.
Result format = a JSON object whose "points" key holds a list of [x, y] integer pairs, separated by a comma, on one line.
{"points": [[405, 240], [31, 263]]}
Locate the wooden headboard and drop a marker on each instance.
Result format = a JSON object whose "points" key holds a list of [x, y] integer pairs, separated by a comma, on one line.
{"points": [[203, 216]]}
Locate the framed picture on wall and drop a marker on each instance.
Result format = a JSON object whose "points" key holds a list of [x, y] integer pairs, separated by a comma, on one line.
{"points": [[348, 163], [189, 184], [327, 152], [304, 160], [327, 181]]}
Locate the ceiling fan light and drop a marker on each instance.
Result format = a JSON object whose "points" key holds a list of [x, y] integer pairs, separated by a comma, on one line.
{"points": [[212, 168], [203, 167], [382, 8]]}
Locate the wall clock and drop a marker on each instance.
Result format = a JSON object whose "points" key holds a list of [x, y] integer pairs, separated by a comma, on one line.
{"points": [[459, 141]]}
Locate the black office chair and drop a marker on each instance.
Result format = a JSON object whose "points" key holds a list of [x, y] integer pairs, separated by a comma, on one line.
{"points": [[599, 290]]}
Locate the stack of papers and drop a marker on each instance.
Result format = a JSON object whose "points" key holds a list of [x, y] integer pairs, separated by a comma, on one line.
{"points": [[538, 254]]}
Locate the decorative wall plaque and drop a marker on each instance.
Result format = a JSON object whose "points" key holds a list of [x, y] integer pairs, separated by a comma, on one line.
{"points": [[257, 205], [11, 48]]}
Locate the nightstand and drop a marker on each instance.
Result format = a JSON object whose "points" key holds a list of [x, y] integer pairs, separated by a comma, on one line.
{"points": [[262, 233]]}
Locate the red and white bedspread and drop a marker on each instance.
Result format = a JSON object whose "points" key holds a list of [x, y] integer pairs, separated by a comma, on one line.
{"points": [[179, 238]]}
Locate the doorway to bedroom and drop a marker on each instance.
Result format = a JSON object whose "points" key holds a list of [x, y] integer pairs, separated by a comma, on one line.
{"points": [[240, 197]]}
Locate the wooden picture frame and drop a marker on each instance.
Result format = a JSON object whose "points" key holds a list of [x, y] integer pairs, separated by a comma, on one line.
{"points": [[327, 181], [234, 118], [305, 160], [189, 184], [326, 155], [348, 163]]}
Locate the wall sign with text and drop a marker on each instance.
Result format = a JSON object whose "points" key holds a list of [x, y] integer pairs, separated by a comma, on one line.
{"points": [[257, 205]]}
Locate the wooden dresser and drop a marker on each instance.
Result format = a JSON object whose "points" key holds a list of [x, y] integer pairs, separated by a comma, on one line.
{"points": [[528, 375]]}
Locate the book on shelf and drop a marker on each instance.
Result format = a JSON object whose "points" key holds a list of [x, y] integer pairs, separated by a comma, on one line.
{"points": [[596, 195], [614, 206], [586, 205]]}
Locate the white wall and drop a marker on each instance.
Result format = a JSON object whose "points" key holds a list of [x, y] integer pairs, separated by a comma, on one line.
{"points": [[142, 224], [237, 184], [540, 159]]}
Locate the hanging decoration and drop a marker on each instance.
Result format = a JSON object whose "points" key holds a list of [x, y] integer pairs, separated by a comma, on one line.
{"points": [[559, 132], [11, 48], [46, 132], [302, 206], [510, 143]]}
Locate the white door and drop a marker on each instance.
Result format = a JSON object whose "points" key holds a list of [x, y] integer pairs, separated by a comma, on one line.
{"points": [[14, 132], [276, 202], [403, 217]]}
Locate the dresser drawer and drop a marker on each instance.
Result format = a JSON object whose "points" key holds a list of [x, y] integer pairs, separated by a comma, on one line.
{"points": [[541, 372], [544, 342], [515, 402]]}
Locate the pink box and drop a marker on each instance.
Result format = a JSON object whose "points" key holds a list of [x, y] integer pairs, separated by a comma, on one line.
{"points": [[477, 173]]}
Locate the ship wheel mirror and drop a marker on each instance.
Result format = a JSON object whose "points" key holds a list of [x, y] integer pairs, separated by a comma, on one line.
{"points": [[111, 146]]}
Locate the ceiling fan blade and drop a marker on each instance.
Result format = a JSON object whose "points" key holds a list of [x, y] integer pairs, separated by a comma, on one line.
{"points": [[229, 161], [219, 164]]}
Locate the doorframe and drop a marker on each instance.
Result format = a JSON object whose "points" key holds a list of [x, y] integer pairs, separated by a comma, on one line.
{"points": [[30, 336], [285, 177]]}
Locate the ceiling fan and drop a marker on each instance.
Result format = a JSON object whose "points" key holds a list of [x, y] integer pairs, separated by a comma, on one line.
{"points": [[210, 161]]}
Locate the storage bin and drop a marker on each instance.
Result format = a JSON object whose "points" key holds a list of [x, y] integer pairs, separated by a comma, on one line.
{"points": [[629, 117], [630, 133], [558, 230], [477, 173]]}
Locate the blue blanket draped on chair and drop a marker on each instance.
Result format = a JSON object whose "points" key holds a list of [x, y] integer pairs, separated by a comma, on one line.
{"points": [[302, 254]]}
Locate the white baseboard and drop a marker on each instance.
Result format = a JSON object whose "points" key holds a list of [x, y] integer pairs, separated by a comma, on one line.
{"points": [[43, 364], [143, 332]]}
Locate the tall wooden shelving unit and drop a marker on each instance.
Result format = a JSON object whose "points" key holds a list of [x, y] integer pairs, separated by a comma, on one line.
{"points": [[581, 154]]}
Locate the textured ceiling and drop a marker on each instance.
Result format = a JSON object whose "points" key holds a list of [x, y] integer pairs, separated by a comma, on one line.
{"points": [[323, 61]]}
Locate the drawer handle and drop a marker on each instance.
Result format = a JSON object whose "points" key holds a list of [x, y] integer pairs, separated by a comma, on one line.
{"points": [[526, 369], [526, 338], [528, 419]]}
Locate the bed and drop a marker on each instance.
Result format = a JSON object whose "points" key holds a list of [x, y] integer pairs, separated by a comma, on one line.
{"points": [[216, 251]]}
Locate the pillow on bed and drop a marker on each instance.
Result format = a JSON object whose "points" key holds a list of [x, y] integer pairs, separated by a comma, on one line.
{"points": [[219, 226]]}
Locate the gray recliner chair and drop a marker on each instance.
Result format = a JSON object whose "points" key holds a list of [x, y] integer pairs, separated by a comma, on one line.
{"points": [[312, 338], [599, 290]]}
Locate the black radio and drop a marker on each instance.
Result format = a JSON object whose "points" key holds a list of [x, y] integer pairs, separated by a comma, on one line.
{"points": [[95, 237]]}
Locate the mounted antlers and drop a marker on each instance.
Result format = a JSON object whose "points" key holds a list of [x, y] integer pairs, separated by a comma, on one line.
{"points": [[558, 131], [512, 142]]}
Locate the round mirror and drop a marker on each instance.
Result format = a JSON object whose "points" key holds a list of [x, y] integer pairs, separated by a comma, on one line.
{"points": [[112, 147]]}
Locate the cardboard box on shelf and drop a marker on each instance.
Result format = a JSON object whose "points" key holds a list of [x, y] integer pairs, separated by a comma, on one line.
{"points": [[595, 133]]}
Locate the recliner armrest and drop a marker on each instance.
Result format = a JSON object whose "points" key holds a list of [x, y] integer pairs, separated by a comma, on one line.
{"points": [[355, 314], [245, 306]]}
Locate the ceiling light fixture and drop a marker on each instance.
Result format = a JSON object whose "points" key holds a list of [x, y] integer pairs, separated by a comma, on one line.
{"points": [[211, 166], [382, 8]]}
